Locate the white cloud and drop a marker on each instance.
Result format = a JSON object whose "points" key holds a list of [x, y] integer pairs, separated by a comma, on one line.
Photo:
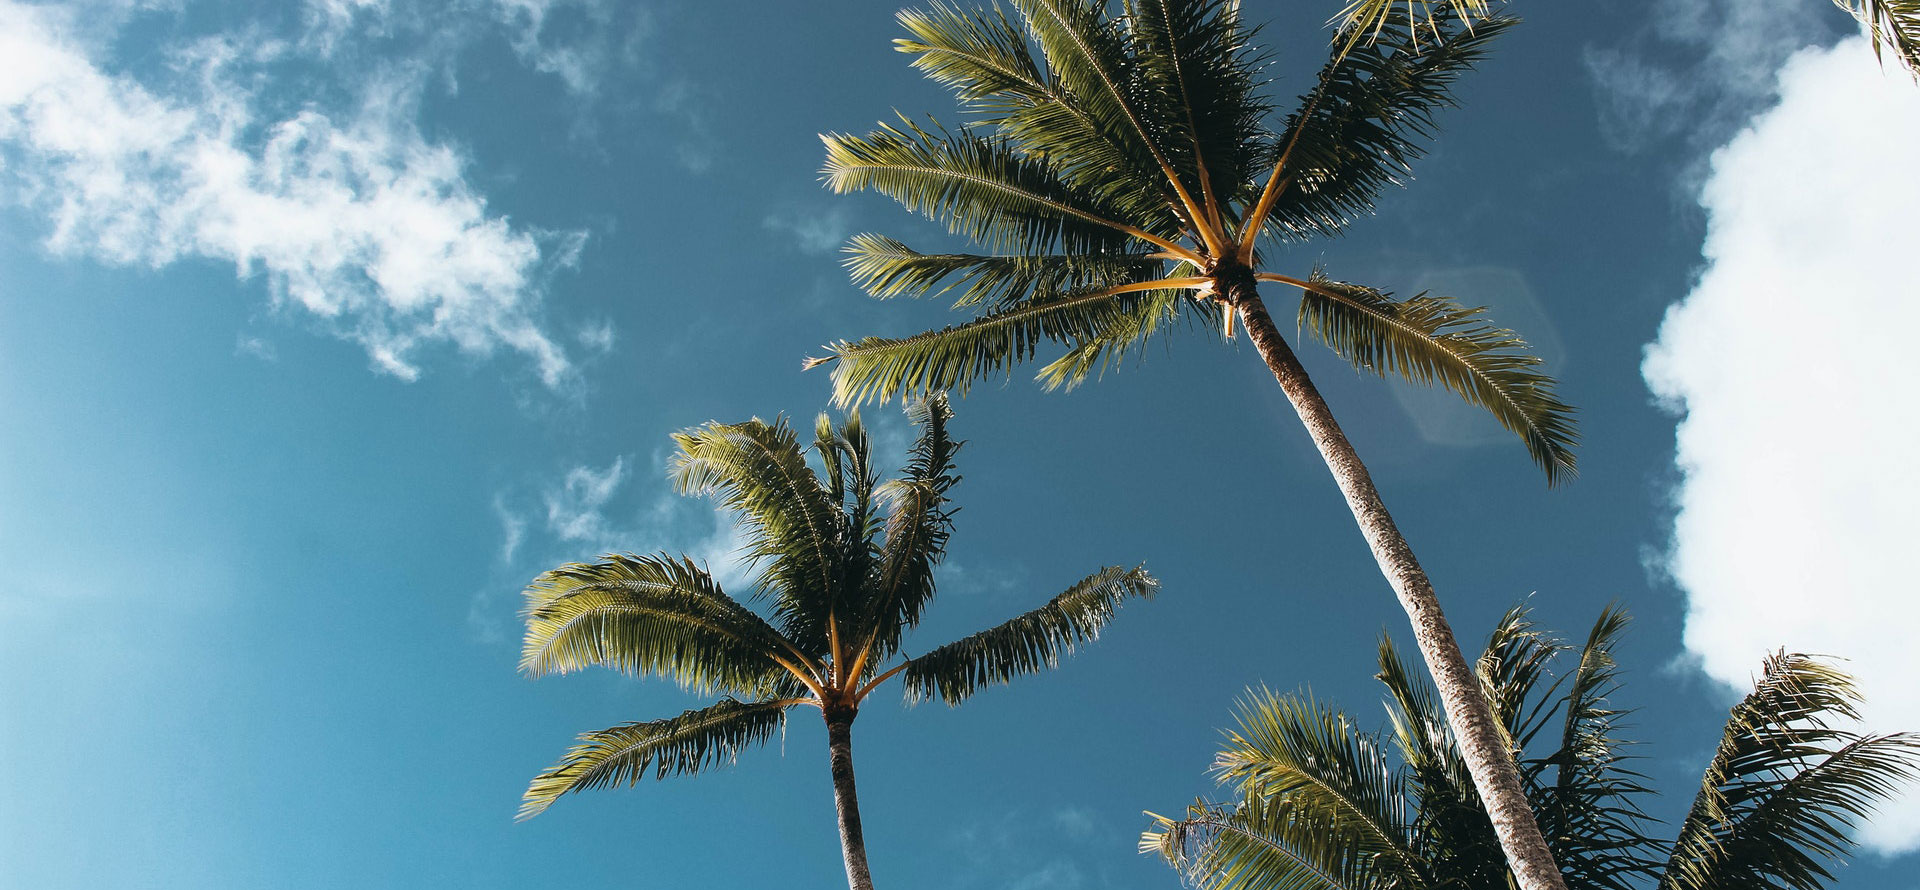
{"points": [[576, 509], [355, 218], [1792, 362]]}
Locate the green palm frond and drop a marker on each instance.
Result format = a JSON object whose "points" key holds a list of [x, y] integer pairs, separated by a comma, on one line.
{"points": [[1515, 671], [1369, 119], [696, 740], [1890, 23], [954, 357], [1024, 645], [990, 66], [887, 268], [1290, 748], [1265, 844], [918, 526], [648, 615], [1589, 811], [1429, 339], [757, 470], [1195, 60], [847, 453], [1785, 785], [982, 187], [1108, 347], [1364, 20]]}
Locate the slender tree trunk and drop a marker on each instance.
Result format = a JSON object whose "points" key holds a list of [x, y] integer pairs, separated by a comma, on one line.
{"points": [[1482, 743], [853, 846]]}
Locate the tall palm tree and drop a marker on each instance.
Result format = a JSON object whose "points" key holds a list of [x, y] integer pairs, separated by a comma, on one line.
{"points": [[1120, 171], [847, 566], [1323, 806]]}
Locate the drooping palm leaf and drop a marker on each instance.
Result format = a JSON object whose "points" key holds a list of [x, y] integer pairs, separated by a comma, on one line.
{"points": [[1427, 339], [1363, 21], [696, 740], [886, 268], [1024, 645], [1786, 784], [649, 614], [1890, 23]]}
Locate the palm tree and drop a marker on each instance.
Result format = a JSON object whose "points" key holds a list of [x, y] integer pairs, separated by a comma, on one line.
{"points": [[1119, 172], [1322, 806], [846, 563]]}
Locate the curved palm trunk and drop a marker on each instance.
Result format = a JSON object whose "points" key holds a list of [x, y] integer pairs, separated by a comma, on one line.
{"points": [[853, 846], [1482, 743]]}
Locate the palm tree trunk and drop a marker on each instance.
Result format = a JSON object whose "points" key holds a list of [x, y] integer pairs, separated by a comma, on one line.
{"points": [[853, 846], [1482, 743]]}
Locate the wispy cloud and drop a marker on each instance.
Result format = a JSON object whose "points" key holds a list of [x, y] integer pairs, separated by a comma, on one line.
{"points": [[1791, 364], [813, 231], [1699, 68], [355, 218]]}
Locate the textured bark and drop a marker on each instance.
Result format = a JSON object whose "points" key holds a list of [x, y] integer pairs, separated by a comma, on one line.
{"points": [[853, 846], [1482, 743]]}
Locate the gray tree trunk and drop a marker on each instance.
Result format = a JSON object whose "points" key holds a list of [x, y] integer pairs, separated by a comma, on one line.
{"points": [[853, 846], [1483, 744]]}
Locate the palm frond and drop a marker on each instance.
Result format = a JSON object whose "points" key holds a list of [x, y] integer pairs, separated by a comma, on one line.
{"points": [[1290, 748], [1451, 831], [696, 740], [1361, 129], [648, 615], [982, 187], [1890, 23], [1429, 339], [1512, 669], [884, 267], [1265, 844], [1785, 784], [1024, 645], [1363, 20], [1589, 811], [1107, 348], [917, 529], [1194, 60], [797, 540], [954, 357]]}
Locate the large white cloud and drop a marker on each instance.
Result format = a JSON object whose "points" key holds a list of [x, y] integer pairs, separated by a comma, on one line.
{"points": [[1793, 361], [352, 214]]}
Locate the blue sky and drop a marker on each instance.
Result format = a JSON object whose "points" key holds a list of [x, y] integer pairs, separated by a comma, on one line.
{"points": [[327, 325]]}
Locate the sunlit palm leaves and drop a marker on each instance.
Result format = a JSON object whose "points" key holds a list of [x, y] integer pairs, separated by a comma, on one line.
{"points": [[847, 564], [1320, 806], [1890, 23], [1116, 172]]}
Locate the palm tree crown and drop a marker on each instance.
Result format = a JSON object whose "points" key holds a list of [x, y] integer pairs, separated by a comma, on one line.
{"points": [[1322, 805], [846, 565], [1119, 172]]}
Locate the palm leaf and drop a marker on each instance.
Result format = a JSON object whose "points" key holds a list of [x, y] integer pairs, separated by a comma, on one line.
{"points": [[1365, 123], [1331, 778], [1451, 831], [918, 526], [1364, 20], [1785, 786], [696, 740], [1024, 645], [1428, 340], [648, 615], [1194, 60], [954, 357], [983, 187], [1265, 844], [757, 470], [1107, 347], [1589, 811], [884, 267], [1894, 23]]}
